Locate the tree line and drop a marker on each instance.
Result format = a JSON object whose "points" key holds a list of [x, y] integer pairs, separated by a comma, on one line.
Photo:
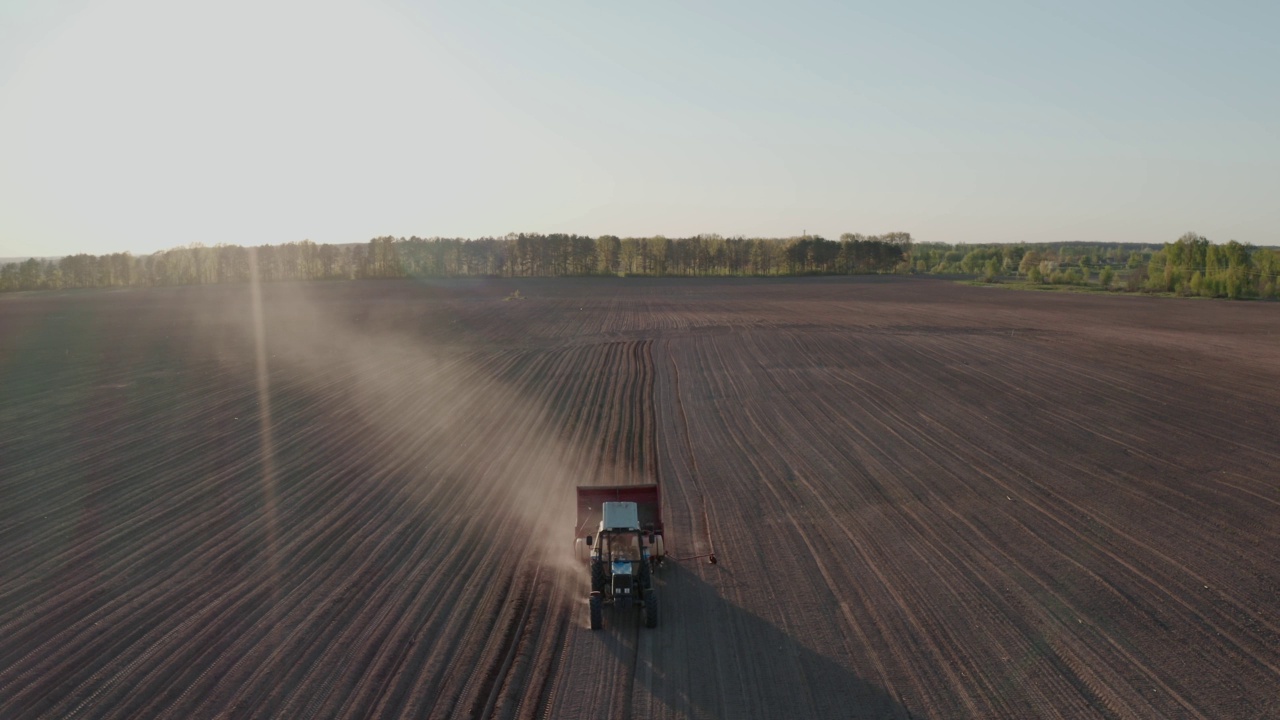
{"points": [[514, 255], [1191, 265], [1018, 258]]}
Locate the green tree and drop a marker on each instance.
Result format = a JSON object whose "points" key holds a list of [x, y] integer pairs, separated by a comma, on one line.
{"points": [[657, 254], [991, 270], [608, 253], [1029, 260]]}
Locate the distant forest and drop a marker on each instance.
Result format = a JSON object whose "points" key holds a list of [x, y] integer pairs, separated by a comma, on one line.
{"points": [[1192, 265], [517, 255]]}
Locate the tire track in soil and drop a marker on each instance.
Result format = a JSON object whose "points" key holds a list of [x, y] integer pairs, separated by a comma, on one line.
{"points": [[510, 694], [611, 664]]}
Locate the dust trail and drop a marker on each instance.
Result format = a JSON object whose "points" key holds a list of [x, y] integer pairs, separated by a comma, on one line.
{"points": [[264, 420], [445, 425]]}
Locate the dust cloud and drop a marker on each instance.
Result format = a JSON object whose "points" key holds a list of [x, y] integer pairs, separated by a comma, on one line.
{"points": [[445, 430]]}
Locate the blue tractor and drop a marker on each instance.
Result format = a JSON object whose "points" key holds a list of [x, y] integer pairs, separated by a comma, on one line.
{"points": [[620, 537]]}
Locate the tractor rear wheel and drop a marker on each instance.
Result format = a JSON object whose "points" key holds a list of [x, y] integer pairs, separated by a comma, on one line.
{"points": [[649, 613], [597, 611]]}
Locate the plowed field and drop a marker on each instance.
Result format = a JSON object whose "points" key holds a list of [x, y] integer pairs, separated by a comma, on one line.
{"points": [[354, 500]]}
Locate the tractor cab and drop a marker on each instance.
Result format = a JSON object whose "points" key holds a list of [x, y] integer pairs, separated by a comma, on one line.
{"points": [[620, 549]]}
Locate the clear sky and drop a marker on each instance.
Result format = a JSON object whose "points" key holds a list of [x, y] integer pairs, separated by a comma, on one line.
{"points": [[144, 124]]}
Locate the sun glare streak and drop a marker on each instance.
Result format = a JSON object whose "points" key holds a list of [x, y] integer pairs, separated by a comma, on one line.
{"points": [[264, 419]]}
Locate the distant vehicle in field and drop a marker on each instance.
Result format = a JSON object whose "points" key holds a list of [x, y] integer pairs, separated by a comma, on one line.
{"points": [[619, 536]]}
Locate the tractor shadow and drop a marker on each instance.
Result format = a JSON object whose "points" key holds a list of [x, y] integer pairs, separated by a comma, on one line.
{"points": [[711, 658]]}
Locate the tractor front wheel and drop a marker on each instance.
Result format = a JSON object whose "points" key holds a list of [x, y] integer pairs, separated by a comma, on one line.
{"points": [[597, 611], [599, 576]]}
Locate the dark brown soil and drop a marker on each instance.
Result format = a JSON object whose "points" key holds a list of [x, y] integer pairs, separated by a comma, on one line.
{"points": [[927, 501]]}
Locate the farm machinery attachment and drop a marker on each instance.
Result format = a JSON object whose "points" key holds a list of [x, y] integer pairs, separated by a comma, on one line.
{"points": [[619, 536]]}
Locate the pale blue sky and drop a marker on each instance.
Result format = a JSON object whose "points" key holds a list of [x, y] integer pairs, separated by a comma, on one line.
{"points": [[143, 124]]}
